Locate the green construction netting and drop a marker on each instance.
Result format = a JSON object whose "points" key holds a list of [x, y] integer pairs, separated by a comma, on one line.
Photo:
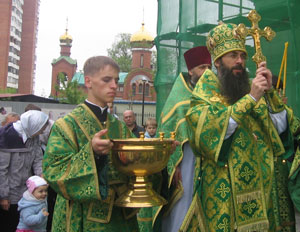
{"points": [[183, 24]]}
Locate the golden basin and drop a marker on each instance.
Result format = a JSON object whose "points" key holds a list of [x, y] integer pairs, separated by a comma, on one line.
{"points": [[140, 157]]}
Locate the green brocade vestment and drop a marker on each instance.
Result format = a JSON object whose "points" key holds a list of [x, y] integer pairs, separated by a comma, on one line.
{"points": [[69, 167], [243, 184], [172, 119]]}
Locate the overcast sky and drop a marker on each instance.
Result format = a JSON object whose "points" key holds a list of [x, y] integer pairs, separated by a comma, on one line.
{"points": [[93, 25]]}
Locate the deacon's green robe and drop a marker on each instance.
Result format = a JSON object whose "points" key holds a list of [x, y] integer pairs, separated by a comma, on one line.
{"points": [[172, 119], [243, 179], [85, 200]]}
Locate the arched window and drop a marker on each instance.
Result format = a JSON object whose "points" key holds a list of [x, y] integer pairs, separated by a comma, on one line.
{"points": [[140, 88], [133, 89], [147, 88]]}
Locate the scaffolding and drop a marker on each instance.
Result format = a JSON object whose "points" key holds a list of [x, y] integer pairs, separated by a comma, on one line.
{"points": [[183, 24]]}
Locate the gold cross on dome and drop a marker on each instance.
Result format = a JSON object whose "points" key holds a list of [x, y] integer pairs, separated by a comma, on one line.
{"points": [[256, 33]]}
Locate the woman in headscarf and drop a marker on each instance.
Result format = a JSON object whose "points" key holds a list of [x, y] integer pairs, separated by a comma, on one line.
{"points": [[20, 157]]}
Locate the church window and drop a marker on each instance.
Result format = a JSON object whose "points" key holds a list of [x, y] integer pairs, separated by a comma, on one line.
{"points": [[142, 61], [133, 89], [140, 88], [147, 87]]}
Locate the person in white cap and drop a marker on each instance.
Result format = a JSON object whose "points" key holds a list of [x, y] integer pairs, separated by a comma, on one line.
{"points": [[33, 206], [20, 157]]}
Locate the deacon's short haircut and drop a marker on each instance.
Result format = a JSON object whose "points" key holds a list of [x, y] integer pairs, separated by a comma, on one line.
{"points": [[96, 63]]}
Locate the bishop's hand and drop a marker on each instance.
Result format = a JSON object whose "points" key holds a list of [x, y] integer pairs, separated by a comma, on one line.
{"points": [[263, 70], [262, 81]]}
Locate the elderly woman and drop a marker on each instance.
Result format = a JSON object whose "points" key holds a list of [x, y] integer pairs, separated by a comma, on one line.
{"points": [[20, 157]]}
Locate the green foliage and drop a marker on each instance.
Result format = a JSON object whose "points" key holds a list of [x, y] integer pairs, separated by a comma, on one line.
{"points": [[68, 91], [121, 51], [8, 90], [154, 62]]}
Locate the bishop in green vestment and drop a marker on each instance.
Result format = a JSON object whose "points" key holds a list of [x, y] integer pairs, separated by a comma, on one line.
{"points": [[77, 162], [241, 131]]}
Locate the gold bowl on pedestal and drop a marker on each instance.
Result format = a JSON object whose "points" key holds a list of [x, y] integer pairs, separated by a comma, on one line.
{"points": [[139, 158]]}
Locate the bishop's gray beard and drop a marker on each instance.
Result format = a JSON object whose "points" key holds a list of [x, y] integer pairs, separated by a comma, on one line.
{"points": [[232, 86]]}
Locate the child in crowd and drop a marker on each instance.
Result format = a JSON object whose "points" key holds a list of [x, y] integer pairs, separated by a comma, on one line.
{"points": [[33, 206], [151, 127]]}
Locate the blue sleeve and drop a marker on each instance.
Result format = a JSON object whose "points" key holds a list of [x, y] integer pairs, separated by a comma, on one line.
{"points": [[30, 218]]}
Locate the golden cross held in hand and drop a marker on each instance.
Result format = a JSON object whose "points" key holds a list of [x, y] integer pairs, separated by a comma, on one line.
{"points": [[256, 33]]}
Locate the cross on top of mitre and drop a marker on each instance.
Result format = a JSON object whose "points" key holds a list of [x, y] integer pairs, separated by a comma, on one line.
{"points": [[242, 31]]}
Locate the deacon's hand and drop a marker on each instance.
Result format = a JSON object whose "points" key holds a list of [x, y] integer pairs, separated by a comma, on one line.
{"points": [[101, 146]]}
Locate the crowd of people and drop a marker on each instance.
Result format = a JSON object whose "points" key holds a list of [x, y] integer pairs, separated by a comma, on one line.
{"points": [[21, 157], [27, 202], [235, 168]]}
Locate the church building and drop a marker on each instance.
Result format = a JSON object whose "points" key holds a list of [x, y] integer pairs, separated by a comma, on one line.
{"points": [[136, 88], [64, 64], [139, 81]]}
